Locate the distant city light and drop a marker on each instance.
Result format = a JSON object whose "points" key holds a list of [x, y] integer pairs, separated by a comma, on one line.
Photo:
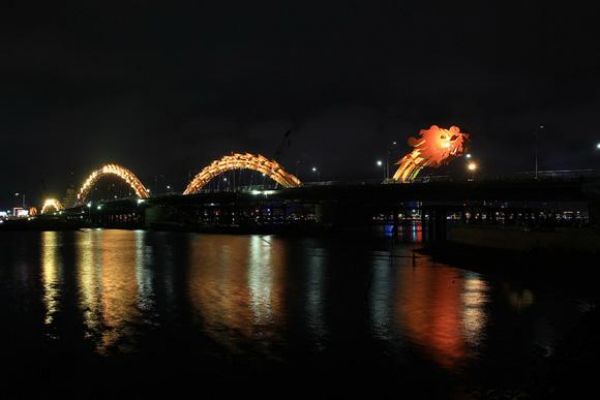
{"points": [[468, 155], [598, 146], [472, 166], [379, 163], [263, 192], [314, 169]]}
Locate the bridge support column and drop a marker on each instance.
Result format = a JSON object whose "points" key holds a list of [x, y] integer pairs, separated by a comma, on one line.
{"points": [[436, 223], [594, 213]]}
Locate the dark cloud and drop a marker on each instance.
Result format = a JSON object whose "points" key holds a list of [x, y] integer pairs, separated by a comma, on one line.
{"points": [[164, 87]]}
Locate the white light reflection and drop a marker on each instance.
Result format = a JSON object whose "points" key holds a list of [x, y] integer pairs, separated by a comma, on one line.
{"points": [[260, 279], [474, 317], [381, 297], [144, 275], [51, 275], [315, 292]]}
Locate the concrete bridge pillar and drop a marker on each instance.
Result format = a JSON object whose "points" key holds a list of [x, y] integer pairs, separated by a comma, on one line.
{"points": [[594, 213], [436, 223]]}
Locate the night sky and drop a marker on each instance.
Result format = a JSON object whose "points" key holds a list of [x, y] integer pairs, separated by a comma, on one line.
{"points": [[165, 87]]}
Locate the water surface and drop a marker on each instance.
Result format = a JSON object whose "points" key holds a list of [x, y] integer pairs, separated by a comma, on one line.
{"points": [[99, 312]]}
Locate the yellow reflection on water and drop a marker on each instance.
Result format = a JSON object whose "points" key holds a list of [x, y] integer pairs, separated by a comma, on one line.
{"points": [[264, 271], [51, 274], [442, 310], [474, 316], [89, 265], [108, 262], [236, 285]]}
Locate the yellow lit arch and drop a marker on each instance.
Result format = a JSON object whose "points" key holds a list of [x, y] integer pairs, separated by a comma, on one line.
{"points": [[51, 205], [112, 169], [255, 162]]}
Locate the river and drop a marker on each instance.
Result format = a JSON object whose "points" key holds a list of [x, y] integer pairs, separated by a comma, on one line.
{"points": [[107, 312]]}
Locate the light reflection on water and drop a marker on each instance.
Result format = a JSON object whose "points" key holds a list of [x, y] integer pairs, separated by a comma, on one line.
{"points": [[236, 284], [258, 294], [442, 310], [113, 283], [439, 309], [51, 275]]}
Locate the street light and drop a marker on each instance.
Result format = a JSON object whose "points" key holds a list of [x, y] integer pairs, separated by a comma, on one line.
{"points": [[316, 171], [387, 159], [598, 146], [472, 167], [468, 155], [537, 132], [23, 199], [380, 164]]}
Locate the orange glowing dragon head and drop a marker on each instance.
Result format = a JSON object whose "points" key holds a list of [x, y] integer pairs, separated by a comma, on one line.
{"points": [[437, 145], [434, 147]]}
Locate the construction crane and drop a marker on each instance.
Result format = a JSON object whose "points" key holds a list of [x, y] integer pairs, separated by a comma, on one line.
{"points": [[281, 145]]}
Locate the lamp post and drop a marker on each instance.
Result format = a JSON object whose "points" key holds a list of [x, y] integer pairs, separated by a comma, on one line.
{"points": [[387, 159], [472, 167], [22, 198], [379, 164], [316, 171], [89, 206], [537, 132]]}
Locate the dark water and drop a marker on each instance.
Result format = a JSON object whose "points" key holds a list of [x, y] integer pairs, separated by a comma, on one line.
{"points": [[101, 313]]}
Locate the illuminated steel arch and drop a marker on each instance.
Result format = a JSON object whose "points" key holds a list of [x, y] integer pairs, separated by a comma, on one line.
{"points": [[113, 169], [255, 162], [51, 204], [435, 147]]}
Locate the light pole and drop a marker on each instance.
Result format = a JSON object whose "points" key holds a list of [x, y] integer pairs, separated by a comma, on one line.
{"points": [[537, 132], [379, 164], [387, 160], [472, 167], [22, 198], [316, 171], [89, 206]]}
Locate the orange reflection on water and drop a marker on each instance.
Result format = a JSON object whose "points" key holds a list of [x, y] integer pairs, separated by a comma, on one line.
{"points": [[441, 310], [240, 295], [108, 283]]}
